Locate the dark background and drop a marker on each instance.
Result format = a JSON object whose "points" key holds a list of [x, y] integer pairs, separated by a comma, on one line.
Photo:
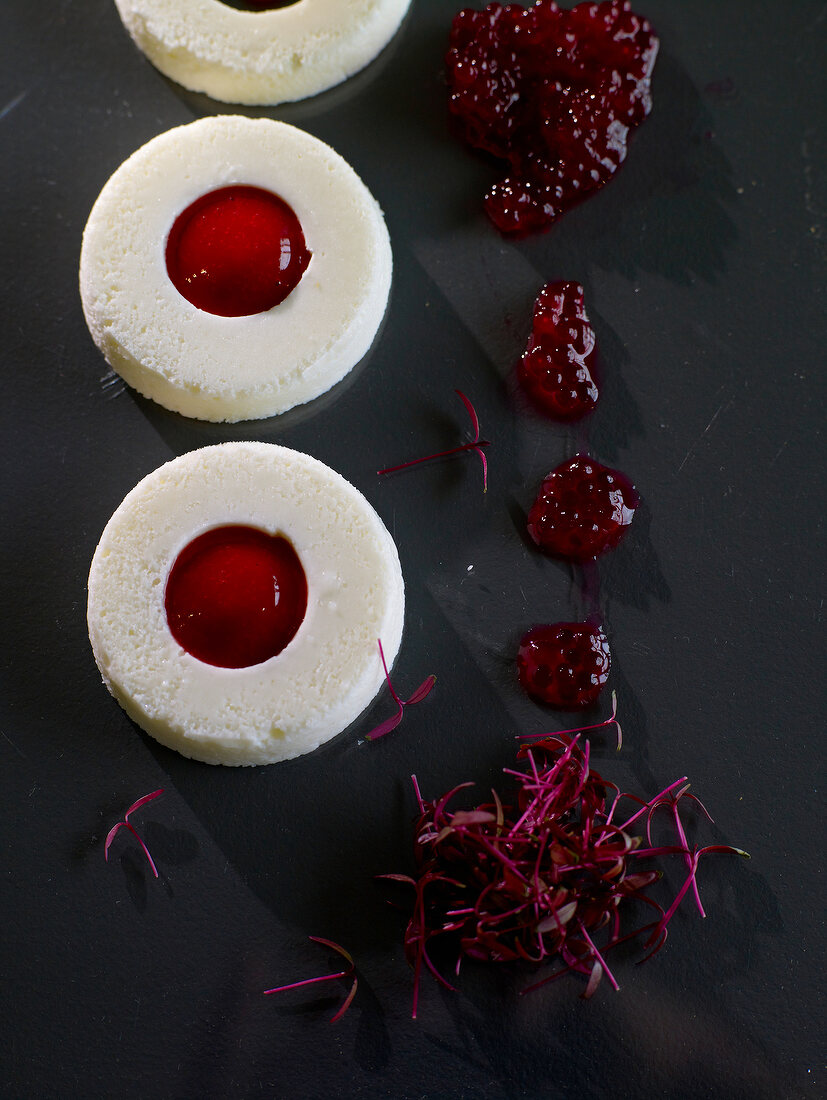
{"points": [[703, 264]]}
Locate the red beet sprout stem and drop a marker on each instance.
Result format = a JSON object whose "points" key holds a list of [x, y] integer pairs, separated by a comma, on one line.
{"points": [[547, 877], [610, 721], [476, 444], [418, 794], [347, 973], [598, 958], [417, 697], [125, 823], [676, 817]]}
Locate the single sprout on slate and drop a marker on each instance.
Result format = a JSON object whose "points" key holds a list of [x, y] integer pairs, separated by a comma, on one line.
{"points": [[350, 970], [127, 824], [610, 721], [417, 697], [476, 444]]}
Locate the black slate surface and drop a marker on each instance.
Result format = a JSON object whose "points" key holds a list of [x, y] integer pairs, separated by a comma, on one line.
{"points": [[703, 264]]}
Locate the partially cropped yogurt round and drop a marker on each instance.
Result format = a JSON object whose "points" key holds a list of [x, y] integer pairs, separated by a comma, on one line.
{"points": [[261, 57], [234, 368], [330, 670]]}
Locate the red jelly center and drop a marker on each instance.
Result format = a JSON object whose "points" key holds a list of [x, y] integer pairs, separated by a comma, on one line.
{"points": [[554, 94], [557, 369], [564, 664], [259, 5], [236, 251], [236, 596]]}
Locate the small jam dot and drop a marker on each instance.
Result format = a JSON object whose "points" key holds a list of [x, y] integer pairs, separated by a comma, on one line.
{"points": [[557, 369], [564, 664], [235, 596], [236, 251], [583, 509]]}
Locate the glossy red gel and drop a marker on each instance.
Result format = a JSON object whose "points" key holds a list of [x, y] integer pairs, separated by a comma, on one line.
{"points": [[259, 5], [236, 251], [236, 596]]}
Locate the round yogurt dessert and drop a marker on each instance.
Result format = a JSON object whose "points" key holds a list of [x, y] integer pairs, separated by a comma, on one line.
{"points": [[233, 268], [236, 600], [274, 54]]}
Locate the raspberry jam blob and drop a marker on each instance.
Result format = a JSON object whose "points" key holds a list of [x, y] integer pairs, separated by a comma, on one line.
{"points": [[557, 368], [564, 664], [552, 93], [582, 510], [235, 596], [236, 251]]}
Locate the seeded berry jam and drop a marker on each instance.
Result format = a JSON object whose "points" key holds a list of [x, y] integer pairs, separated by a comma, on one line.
{"points": [[554, 94], [582, 510], [564, 664], [557, 369], [236, 251], [235, 596]]}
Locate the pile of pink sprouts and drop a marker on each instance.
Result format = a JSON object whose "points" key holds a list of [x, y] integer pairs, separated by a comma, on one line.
{"points": [[549, 878]]}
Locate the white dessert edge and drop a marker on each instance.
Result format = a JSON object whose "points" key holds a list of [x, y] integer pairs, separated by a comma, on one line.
{"points": [[326, 675], [261, 57], [234, 368]]}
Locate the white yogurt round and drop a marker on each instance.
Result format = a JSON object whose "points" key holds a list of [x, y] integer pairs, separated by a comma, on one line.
{"points": [[327, 674], [234, 368], [261, 57]]}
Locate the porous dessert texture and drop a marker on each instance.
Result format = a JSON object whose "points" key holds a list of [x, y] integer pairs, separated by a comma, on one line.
{"points": [[261, 57], [322, 680], [234, 368]]}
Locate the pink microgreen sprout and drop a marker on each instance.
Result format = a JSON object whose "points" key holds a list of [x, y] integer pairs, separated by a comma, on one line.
{"points": [[548, 878], [417, 697], [346, 973], [476, 444], [610, 721], [127, 824]]}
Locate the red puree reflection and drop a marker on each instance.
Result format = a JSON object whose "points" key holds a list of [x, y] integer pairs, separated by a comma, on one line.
{"points": [[236, 251], [236, 596]]}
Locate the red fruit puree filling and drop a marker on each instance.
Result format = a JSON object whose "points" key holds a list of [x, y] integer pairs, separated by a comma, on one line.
{"points": [[236, 596], [565, 664], [259, 5], [582, 510], [236, 251], [554, 94], [558, 365]]}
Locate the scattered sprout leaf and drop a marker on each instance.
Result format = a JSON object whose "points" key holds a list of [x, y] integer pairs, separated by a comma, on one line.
{"points": [[391, 723], [347, 973], [125, 823], [476, 444]]}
